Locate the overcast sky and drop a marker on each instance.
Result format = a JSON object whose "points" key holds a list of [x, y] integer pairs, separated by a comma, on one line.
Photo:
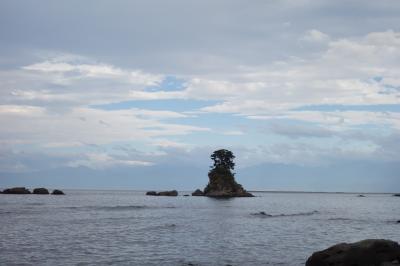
{"points": [[137, 94]]}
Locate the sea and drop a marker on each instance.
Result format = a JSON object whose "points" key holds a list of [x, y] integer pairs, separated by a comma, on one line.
{"points": [[93, 227]]}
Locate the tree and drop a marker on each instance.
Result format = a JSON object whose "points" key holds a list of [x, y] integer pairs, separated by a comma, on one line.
{"points": [[223, 159]]}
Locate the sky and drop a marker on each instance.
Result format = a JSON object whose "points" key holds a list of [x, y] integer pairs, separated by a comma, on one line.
{"points": [[138, 94]]}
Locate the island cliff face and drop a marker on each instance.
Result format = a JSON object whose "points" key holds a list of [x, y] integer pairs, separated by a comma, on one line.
{"points": [[221, 179]]}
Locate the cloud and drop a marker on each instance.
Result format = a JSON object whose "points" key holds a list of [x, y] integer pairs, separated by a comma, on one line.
{"points": [[103, 161], [74, 71], [300, 130], [62, 82], [341, 74], [87, 125], [233, 133], [315, 36]]}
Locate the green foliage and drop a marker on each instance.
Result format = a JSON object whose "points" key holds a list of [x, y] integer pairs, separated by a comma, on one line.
{"points": [[223, 159]]}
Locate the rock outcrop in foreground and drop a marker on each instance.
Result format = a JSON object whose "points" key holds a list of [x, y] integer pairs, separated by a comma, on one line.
{"points": [[221, 179], [172, 193], [370, 252], [16, 190]]}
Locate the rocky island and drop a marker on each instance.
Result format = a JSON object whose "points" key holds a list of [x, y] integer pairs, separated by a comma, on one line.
{"points": [[221, 178]]}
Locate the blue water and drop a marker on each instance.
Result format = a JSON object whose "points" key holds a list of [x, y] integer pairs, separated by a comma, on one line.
{"points": [[129, 228]]}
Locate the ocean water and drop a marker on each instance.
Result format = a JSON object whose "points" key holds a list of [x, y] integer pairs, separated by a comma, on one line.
{"points": [[129, 228]]}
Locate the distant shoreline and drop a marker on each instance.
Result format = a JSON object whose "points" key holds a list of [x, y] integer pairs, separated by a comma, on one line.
{"points": [[254, 191], [318, 192]]}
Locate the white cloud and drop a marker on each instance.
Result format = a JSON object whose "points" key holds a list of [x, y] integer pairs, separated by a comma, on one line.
{"points": [[103, 71], [340, 119], [22, 110], [104, 160], [165, 143], [87, 125], [73, 83], [233, 133], [316, 36], [342, 74]]}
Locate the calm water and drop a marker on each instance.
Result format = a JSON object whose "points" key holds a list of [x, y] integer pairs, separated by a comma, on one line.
{"points": [[128, 228]]}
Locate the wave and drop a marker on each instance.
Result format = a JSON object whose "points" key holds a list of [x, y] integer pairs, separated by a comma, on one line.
{"points": [[340, 219], [34, 204], [114, 208], [108, 208], [162, 226], [266, 215]]}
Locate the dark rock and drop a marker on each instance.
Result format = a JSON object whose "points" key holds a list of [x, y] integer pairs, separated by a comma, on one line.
{"points": [[198, 192], [396, 195], [16, 190], [57, 192], [41, 191], [222, 184], [262, 214], [398, 221], [186, 195], [361, 196], [173, 193], [162, 193], [368, 252]]}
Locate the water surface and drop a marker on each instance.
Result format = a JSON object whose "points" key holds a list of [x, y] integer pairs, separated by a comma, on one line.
{"points": [[129, 228]]}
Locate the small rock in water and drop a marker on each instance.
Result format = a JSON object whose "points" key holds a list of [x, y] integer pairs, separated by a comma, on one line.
{"points": [[198, 192], [57, 192], [262, 213], [186, 195], [172, 193], [361, 196], [162, 193], [41, 191], [16, 190], [396, 195]]}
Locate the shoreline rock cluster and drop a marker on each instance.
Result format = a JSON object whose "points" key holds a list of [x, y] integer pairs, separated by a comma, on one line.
{"points": [[171, 193], [36, 191], [369, 252]]}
